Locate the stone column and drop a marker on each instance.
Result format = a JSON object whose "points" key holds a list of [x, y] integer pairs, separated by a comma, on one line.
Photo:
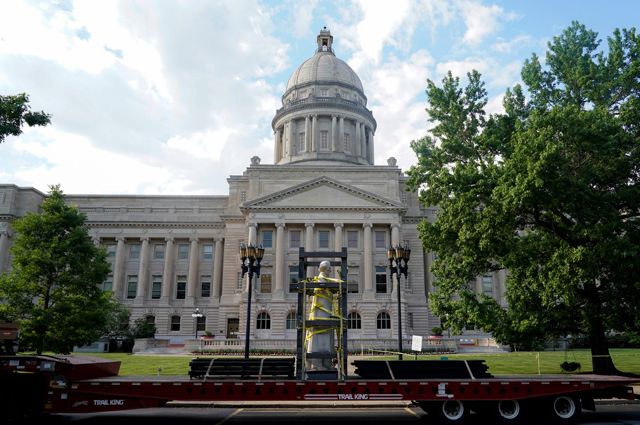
{"points": [[118, 269], [280, 266], [253, 233], [341, 135], [337, 245], [308, 244], [368, 259], [217, 270], [4, 248], [167, 274], [333, 141], [143, 272], [291, 141], [307, 134], [363, 142], [192, 277], [357, 144], [370, 138], [277, 151], [314, 133]]}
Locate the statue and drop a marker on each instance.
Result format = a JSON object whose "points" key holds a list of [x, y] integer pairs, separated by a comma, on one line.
{"points": [[321, 340]]}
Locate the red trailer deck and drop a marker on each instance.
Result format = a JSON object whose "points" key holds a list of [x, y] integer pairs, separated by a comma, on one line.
{"points": [[41, 384]]}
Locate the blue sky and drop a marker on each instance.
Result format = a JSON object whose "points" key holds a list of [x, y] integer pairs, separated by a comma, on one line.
{"points": [[172, 97]]}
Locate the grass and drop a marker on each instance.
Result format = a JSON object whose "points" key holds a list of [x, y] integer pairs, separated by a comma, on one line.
{"points": [[626, 359]]}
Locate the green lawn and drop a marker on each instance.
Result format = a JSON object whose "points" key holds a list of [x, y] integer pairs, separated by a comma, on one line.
{"points": [[627, 360]]}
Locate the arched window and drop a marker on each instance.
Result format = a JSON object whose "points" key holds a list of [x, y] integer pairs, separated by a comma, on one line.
{"points": [[353, 320], [383, 321], [291, 320], [263, 321]]}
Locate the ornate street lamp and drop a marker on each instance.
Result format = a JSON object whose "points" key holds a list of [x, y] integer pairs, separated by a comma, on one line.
{"points": [[398, 259], [196, 315], [250, 258]]}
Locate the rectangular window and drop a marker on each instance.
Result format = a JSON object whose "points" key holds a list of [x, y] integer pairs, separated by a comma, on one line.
{"points": [[487, 285], [323, 239], [132, 286], [381, 239], [347, 142], [205, 286], [294, 239], [352, 239], [353, 283], [201, 323], [175, 323], [293, 278], [156, 287], [181, 287], [267, 238], [111, 250], [265, 283], [301, 142], [107, 285], [183, 251], [410, 320], [207, 251], [381, 280], [134, 251], [158, 252], [324, 140]]}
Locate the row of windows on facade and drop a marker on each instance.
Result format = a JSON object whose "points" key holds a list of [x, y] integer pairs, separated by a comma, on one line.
{"points": [[206, 251], [323, 239], [263, 321], [301, 143]]}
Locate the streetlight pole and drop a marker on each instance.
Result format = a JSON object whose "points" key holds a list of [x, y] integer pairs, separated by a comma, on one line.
{"points": [[196, 315], [398, 264], [250, 258]]}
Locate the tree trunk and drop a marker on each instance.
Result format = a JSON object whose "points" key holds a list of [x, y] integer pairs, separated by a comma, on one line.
{"points": [[600, 358]]}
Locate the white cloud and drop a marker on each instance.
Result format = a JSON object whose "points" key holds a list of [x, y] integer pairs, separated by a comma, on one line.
{"points": [[481, 21], [201, 144], [302, 17], [506, 46]]}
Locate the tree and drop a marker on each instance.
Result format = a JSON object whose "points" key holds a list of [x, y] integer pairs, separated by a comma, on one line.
{"points": [[547, 190], [15, 112], [53, 288]]}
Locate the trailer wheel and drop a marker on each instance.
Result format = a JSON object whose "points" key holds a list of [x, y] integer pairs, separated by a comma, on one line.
{"points": [[509, 411], [565, 409], [446, 412]]}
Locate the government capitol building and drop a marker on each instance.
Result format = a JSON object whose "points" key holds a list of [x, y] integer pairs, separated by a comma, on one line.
{"points": [[323, 191]]}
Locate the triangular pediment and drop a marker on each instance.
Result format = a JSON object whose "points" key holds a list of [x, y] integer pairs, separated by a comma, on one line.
{"points": [[322, 193]]}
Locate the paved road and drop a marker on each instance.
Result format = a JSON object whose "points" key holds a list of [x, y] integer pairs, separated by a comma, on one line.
{"points": [[615, 414]]}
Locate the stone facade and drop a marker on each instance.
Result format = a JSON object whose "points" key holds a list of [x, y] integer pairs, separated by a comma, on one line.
{"points": [[172, 254]]}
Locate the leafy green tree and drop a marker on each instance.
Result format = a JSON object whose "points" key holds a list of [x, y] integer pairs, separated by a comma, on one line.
{"points": [[53, 288], [15, 112], [547, 190]]}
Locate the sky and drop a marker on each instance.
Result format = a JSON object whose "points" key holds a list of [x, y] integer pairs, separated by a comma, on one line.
{"points": [[172, 97]]}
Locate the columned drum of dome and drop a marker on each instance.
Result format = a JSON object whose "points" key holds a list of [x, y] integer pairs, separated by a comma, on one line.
{"points": [[324, 115]]}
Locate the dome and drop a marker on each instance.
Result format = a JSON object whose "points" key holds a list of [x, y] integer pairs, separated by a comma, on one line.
{"points": [[324, 67]]}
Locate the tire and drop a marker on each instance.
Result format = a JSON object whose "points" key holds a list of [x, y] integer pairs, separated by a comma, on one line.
{"points": [[564, 409], [446, 412], [509, 412]]}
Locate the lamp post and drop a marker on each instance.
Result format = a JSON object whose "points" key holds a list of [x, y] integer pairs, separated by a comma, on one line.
{"points": [[196, 315], [250, 258], [398, 259]]}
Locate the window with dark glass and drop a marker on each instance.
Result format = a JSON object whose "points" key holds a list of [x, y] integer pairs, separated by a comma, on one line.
{"points": [[354, 321], [156, 286], [181, 287], [132, 286], [383, 321], [263, 321], [175, 323], [183, 251], [291, 320], [134, 251], [381, 239], [267, 238], [205, 286], [323, 239], [207, 251], [158, 252], [293, 278], [381, 280]]}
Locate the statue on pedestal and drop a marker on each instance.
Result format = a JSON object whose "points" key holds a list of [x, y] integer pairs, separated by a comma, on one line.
{"points": [[322, 339]]}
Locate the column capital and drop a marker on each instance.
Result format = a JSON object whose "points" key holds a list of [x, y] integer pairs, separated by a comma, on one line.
{"points": [[367, 225], [193, 239], [338, 225], [216, 240], [169, 239], [395, 225], [120, 238], [280, 224], [308, 224], [253, 224], [144, 238]]}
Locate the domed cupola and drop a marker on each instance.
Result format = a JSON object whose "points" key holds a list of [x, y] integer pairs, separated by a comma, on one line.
{"points": [[324, 115]]}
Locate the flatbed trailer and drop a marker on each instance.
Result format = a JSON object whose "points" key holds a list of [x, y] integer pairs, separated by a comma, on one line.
{"points": [[43, 385]]}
